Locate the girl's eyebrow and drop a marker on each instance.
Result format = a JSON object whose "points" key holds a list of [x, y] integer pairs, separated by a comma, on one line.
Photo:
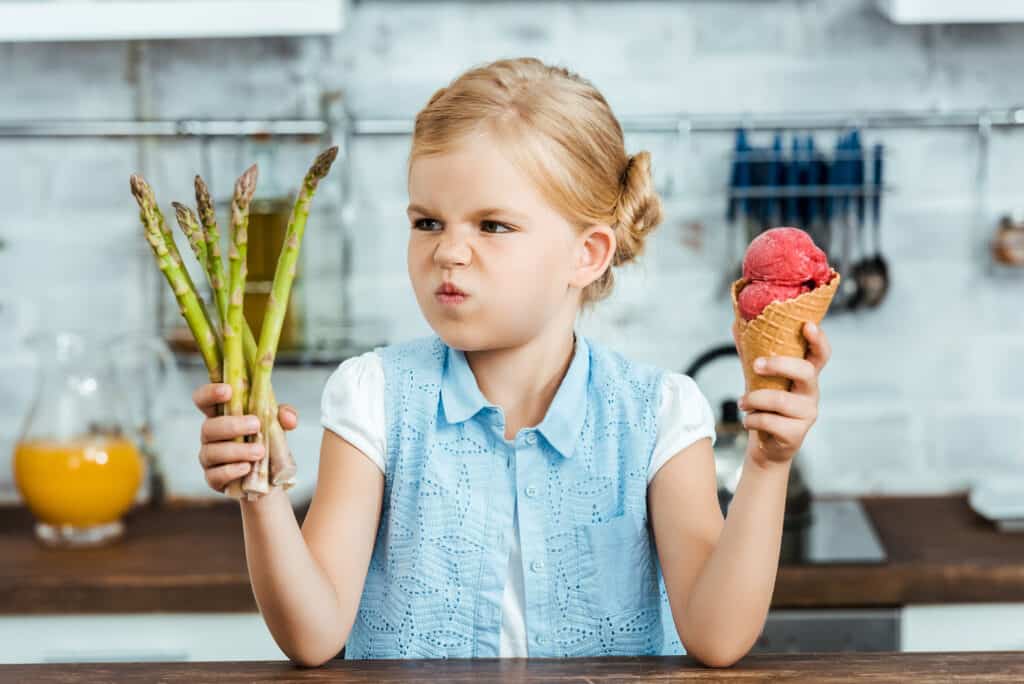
{"points": [[508, 213], [479, 214]]}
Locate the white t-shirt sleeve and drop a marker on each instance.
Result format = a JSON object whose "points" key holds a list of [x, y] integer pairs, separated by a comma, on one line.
{"points": [[684, 417], [352, 405]]}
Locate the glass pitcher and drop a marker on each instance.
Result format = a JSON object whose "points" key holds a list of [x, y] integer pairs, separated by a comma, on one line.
{"points": [[76, 463]]}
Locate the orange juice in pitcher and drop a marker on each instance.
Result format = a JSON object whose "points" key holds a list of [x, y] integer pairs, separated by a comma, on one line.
{"points": [[75, 465], [83, 483]]}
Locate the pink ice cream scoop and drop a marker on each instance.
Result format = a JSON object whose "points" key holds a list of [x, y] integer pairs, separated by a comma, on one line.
{"points": [[780, 264]]}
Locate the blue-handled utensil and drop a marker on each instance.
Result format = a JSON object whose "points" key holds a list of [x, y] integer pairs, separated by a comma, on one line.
{"points": [[791, 211], [737, 208], [876, 284], [858, 180]]}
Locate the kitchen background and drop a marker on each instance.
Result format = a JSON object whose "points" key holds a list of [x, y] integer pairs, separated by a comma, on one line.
{"points": [[923, 392]]}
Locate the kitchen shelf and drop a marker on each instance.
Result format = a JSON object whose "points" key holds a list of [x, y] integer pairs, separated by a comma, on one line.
{"points": [[326, 356], [85, 20], [951, 11]]}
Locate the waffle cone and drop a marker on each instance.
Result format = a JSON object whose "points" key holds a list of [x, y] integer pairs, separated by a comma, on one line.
{"points": [[778, 330]]}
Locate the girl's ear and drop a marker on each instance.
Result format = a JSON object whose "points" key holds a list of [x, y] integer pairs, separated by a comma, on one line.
{"points": [[595, 247]]}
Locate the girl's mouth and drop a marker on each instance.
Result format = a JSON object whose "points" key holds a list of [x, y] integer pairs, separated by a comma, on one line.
{"points": [[450, 295]]}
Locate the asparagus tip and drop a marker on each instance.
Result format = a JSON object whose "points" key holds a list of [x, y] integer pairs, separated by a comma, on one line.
{"points": [[136, 181], [202, 192], [140, 188], [187, 219], [322, 164], [245, 186]]}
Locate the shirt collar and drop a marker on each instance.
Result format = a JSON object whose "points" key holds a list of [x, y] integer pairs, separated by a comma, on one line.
{"points": [[461, 398]]}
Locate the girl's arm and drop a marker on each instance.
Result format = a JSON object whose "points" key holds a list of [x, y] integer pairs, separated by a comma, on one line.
{"points": [[720, 576], [308, 581]]}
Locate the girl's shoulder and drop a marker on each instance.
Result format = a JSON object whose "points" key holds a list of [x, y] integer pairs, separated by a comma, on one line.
{"points": [[368, 371], [352, 405], [355, 376], [618, 367], [677, 390], [429, 350]]}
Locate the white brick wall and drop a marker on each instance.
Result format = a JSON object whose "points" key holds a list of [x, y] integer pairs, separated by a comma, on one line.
{"points": [[922, 394]]}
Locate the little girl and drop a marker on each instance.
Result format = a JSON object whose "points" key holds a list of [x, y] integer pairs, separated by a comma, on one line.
{"points": [[509, 487]]}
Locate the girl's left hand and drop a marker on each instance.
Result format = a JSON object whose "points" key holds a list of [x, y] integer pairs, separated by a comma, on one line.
{"points": [[786, 416]]}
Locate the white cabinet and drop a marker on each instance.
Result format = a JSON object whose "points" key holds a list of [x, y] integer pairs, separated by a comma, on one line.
{"points": [[963, 627], [153, 19], [136, 638], [952, 11]]}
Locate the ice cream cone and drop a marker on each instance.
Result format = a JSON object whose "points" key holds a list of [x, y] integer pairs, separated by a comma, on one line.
{"points": [[778, 330]]}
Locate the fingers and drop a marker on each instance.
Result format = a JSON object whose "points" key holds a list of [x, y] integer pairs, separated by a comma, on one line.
{"points": [[819, 351], [287, 416], [224, 462], [227, 428], [223, 453], [218, 478], [209, 396], [786, 404], [802, 372], [788, 432]]}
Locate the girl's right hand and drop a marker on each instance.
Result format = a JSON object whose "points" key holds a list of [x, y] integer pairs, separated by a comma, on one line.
{"points": [[222, 458]]}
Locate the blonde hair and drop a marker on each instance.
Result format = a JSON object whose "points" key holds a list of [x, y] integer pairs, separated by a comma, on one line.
{"points": [[559, 130]]}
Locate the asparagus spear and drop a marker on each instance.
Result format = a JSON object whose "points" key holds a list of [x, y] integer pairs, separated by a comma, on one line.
{"points": [[273, 318], [282, 465], [234, 364], [214, 266], [235, 371], [169, 260], [193, 231]]}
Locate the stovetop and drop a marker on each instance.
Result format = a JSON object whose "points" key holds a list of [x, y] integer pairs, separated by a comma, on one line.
{"points": [[839, 532]]}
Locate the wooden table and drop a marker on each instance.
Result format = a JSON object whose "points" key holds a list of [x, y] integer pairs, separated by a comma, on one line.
{"points": [[191, 559], [822, 669]]}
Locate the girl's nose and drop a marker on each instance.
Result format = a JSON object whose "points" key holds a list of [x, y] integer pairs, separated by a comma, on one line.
{"points": [[452, 251]]}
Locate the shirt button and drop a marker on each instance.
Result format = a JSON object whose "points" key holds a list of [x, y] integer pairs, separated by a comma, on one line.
{"points": [[541, 640], [537, 565], [531, 491], [531, 438]]}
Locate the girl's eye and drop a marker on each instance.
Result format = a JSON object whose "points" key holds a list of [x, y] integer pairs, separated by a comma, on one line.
{"points": [[494, 227], [426, 224]]}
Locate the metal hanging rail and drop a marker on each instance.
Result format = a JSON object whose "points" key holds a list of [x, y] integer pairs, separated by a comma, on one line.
{"points": [[185, 128], [712, 123], [371, 126]]}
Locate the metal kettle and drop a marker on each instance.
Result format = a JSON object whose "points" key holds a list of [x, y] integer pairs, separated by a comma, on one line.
{"points": [[731, 440]]}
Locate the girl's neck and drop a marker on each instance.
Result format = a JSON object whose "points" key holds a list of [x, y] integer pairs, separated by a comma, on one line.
{"points": [[523, 380]]}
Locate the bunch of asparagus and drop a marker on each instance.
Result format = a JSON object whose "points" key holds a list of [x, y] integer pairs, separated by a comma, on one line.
{"points": [[230, 351]]}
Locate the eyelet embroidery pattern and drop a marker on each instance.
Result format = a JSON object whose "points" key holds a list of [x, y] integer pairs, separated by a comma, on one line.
{"points": [[437, 574]]}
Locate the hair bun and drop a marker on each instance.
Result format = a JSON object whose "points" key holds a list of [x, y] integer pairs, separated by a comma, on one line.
{"points": [[638, 211]]}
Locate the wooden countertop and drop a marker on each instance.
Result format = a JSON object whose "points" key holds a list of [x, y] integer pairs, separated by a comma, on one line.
{"points": [[938, 551], [824, 669], [191, 559]]}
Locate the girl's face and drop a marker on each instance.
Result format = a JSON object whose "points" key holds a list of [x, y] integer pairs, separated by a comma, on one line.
{"points": [[491, 262]]}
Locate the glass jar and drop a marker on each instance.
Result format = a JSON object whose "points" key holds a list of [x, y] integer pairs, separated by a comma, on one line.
{"points": [[76, 463]]}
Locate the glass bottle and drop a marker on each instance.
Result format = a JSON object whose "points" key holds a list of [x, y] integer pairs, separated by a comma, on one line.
{"points": [[76, 465]]}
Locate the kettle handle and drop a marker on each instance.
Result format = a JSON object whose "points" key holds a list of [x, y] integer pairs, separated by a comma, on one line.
{"points": [[709, 356]]}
